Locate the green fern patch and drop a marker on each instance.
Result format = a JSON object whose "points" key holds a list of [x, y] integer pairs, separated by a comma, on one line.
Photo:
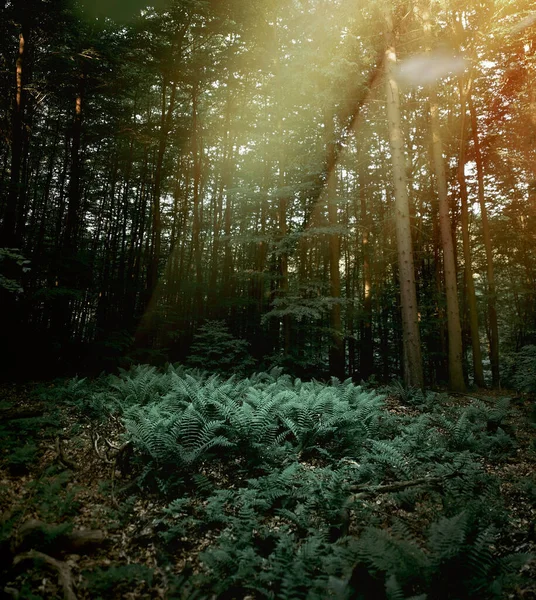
{"points": [[287, 489]]}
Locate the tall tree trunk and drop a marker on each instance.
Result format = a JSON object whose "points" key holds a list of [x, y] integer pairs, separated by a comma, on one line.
{"points": [[166, 116], [470, 286], [283, 285], [283, 258], [227, 275], [455, 347], [336, 351], [10, 237], [367, 350], [413, 374], [68, 276], [197, 217], [146, 327], [10, 234], [456, 379], [223, 187], [72, 224], [492, 292]]}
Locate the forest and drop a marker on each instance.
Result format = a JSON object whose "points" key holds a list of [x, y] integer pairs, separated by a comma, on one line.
{"points": [[268, 299]]}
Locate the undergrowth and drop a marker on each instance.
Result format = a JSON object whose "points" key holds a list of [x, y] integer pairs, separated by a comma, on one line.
{"points": [[285, 480]]}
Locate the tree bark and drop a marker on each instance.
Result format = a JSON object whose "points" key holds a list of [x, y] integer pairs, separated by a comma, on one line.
{"points": [[492, 292], [10, 239], [197, 208], [413, 373], [72, 224], [455, 346], [336, 351], [470, 286], [456, 379], [367, 350]]}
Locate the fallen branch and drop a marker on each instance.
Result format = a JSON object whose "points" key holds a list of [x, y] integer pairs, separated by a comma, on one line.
{"points": [[64, 572], [364, 491], [21, 413], [34, 534]]}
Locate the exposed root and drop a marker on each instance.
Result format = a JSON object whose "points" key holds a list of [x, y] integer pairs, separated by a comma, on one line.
{"points": [[96, 437], [65, 578], [63, 458]]}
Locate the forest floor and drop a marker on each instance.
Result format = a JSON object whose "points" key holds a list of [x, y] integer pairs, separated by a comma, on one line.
{"points": [[64, 534]]}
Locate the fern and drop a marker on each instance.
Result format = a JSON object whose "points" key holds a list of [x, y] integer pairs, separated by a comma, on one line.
{"points": [[387, 454], [382, 552], [294, 451], [394, 589], [447, 537], [174, 440]]}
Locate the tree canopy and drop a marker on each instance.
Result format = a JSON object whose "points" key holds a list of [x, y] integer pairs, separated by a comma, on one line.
{"points": [[170, 166]]}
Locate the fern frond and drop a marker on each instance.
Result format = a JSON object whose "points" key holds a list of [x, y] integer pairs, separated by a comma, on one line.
{"points": [[387, 454], [447, 536]]}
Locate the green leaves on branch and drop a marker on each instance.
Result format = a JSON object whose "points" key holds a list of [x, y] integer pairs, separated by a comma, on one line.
{"points": [[11, 259]]}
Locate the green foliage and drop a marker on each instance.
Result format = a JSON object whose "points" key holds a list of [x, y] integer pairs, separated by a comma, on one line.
{"points": [[12, 257], [520, 370], [115, 581], [216, 349], [174, 441], [21, 458], [55, 497], [20, 438], [266, 468]]}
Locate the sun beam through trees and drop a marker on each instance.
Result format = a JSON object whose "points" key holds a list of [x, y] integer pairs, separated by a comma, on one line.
{"points": [[169, 166]]}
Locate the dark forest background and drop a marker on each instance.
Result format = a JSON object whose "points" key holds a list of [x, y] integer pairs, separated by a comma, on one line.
{"points": [[211, 183]]}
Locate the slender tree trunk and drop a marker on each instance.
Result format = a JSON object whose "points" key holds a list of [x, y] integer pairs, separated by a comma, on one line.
{"points": [[72, 224], [68, 276], [492, 292], [10, 239], [283, 259], [223, 187], [144, 335], [455, 346], [165, 125], [367, 350], [336, 352], [283, 286], [470, 286], [456, 379], [413, 374], [196, 228]]}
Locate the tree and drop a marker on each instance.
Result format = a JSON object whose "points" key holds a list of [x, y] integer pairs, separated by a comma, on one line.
{"points": [[468, 271], [455, 349], [413, 374]]}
